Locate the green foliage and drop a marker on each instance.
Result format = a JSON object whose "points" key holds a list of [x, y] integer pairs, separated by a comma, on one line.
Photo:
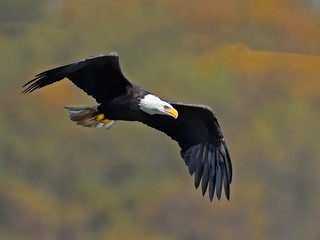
{"points": [[62, 181]]}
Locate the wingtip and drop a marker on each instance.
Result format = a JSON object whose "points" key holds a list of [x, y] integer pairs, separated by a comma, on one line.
{"points": [[115, 54], [204, 186], [228, 197], [204, 190], [196, 184]]}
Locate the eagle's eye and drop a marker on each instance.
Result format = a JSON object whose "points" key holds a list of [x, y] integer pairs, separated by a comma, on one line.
{"points": [[166, 107]]}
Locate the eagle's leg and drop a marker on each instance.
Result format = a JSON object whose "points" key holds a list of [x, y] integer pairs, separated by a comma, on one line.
{"points": [[90, 116]]}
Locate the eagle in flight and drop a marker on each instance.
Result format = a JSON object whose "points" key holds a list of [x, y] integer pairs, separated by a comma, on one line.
{"points": [[193, 126]]}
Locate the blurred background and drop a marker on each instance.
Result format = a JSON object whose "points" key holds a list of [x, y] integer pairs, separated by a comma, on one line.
{"points": [[256, 62]]}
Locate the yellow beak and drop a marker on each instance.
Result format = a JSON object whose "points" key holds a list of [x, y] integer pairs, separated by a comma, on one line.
{"points": [[173, 113]]}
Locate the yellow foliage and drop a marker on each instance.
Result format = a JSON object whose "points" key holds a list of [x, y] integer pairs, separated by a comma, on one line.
{"points": [[285, 14], [113, 11], [295, 73], [292, 24]]}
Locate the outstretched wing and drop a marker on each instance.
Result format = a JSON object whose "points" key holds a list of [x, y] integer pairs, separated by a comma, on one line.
{"points": [[99, 76], [203, 147]]}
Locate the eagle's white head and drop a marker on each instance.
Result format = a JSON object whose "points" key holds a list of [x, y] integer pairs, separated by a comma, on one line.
{"points": [[153, 105]]}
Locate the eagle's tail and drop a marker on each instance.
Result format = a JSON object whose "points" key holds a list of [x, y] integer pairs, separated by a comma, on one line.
{"points": [[89, 116]]}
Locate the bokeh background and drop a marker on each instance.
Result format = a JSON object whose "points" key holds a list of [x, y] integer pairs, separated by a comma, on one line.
{"points": [[256, 62]]}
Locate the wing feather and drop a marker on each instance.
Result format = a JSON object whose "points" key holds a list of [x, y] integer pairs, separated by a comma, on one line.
{"points": [[99, 76], [203, 147], [226, 185], [206, 168], [212, 185], [199, 167]]}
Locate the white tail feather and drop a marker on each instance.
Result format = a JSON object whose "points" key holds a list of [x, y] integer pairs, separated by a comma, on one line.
{"points": [[87, 117]]}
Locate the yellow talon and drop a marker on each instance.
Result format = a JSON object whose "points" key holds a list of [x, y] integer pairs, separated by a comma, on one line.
{"points": [[100, 118], [105, 120]]}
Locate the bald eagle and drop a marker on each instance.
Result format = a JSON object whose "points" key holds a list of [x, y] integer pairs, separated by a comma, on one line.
{"points": [[193, 126]]}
